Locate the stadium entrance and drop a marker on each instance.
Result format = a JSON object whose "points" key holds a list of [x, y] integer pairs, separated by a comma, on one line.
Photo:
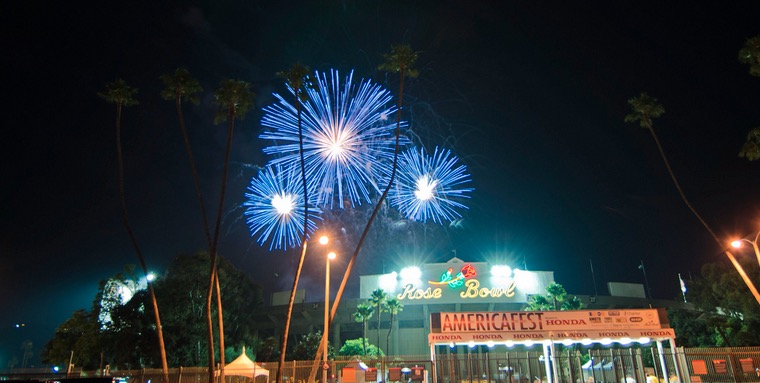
{"points": [[549, 329]]}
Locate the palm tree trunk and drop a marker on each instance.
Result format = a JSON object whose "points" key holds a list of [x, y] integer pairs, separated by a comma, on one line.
{"points": [[196, 182], [194, 171], [355, 255], [388, 337], [133, 240], [291, 301], [364, 338], [377, 330], [213, 272]]}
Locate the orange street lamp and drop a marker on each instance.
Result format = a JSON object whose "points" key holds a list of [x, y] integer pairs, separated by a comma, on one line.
{"points": [[738, 244]]}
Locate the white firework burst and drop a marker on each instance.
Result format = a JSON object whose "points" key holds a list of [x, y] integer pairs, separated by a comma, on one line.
{"points": [[430, 187], [348, 137]]}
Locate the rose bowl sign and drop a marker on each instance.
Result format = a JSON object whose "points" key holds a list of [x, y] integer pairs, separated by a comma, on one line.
{"points": [[457, 282]]}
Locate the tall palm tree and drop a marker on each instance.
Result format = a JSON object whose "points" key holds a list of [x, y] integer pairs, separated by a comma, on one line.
{"points": [[121, 94], [234, 98], [393, 307], [378, 300], [182, 87], [363, 314], [400, 60], [643, 109], [297, 78]]}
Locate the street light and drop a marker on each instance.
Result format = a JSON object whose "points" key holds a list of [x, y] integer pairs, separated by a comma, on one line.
{"points": [[325, 342], [738, 244]]}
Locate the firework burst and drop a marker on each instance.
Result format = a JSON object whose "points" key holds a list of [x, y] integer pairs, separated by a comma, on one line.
{"points": [[348, 137], [274, 208], [430, 187]]}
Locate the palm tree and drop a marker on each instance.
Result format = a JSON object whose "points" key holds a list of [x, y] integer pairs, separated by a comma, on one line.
{"points": [[751, 148], [643, 109], [538, 302], [297, 78], [378, 300], [121, 94], [178, 87], [556, 293], [393, 307], [182, 87], [400, 60], [572, 304], [556, 298], [750, 54], [234, 98], [362, 314]]}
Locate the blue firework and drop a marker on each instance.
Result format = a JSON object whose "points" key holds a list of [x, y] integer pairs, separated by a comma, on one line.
{"points": [[430, 187], [274, 208], [348, 137]]}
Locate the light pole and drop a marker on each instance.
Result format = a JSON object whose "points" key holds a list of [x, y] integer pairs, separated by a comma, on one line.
{"points": [[738, 243], [325, 342], [646, 280]]}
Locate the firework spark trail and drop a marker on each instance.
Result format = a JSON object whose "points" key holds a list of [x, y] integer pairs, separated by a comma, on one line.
{"points": [[274, 207], [348, 137], [430, 187]]}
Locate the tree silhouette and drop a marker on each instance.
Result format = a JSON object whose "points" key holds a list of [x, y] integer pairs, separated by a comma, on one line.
{"points": [[400, 60], [121, 94], [297, 78], [750, 54], [377, 300], [643, 109], [393, 307], [363, 314], [234, 98]]}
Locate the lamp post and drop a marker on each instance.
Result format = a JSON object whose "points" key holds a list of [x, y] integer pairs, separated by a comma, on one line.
{"points": [[325, 342], [646, 280], [738, 243]]}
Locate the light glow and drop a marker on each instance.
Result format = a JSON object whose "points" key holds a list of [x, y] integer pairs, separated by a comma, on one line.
{"points": [[412, 273], [501, 271], [387, 282], [283, 203]]}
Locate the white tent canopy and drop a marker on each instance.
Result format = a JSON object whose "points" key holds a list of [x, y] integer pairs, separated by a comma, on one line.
{"points": [[244, 366]]}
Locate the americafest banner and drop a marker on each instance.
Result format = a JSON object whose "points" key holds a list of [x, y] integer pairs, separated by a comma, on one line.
{"points": [[554, 325]]}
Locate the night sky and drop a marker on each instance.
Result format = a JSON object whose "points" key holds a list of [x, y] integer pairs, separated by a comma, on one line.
{"points": [[530, 95]]}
